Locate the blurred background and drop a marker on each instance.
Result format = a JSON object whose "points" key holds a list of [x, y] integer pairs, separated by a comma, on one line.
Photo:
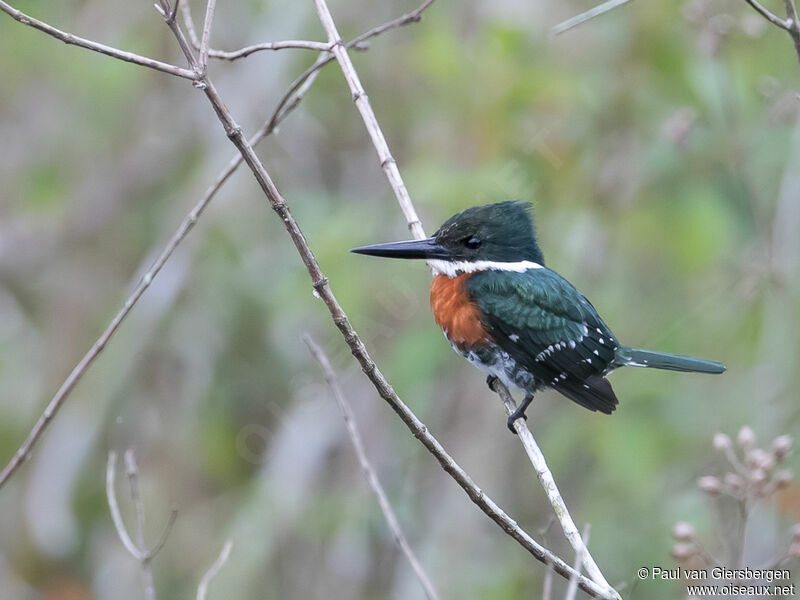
{"points": [[660, 147]]}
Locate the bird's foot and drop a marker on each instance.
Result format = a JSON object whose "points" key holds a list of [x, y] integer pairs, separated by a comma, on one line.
{"points": [[490, 381], [519, 413]]}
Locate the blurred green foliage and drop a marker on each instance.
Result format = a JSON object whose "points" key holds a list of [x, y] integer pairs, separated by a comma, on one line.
{"points": [[660, 147]]}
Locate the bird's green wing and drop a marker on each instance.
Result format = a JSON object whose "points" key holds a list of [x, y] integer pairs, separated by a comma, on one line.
{"points": [[550, 328]]}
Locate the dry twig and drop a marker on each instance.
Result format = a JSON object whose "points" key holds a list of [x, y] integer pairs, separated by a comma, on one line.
{"points": [[320, 285], [369, 472], [791, 24], [396, 181], [572, 588], [138, 550], [388, 164], [290, 100], [549, 484], [202, 589], [598, 10], [75, 40]]}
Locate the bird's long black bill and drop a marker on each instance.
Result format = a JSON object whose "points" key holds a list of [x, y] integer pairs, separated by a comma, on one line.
{"points": [[426, 249]]}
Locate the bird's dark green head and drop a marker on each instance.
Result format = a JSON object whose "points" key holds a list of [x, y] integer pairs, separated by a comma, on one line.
{"points": [[501, 232]]}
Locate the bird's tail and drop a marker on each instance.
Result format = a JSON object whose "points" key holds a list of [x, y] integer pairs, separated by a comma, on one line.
{"points": [[635, 357]]}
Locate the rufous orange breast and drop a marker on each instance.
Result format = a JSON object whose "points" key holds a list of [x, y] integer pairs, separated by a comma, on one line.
{"points": [[455, 312]]}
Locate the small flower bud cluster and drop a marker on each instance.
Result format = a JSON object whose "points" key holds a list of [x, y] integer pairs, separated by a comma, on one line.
{"points": [[755, 474], [755, 471]]}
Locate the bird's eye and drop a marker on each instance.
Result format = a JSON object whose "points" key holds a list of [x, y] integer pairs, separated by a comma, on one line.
{"points": [[472, 243]]}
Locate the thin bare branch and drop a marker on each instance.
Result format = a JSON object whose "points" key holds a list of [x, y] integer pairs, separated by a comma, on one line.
{"points": [[206, 39], [547, 585], [794, 24], [598, 10], [290, 100], [75, 40], [572, 588], [174, 12], [132, 472], [113, 506], [139, 549], [769, 16], [167, 13], [396, 181], [388, 163], [369, 473], [320, 284], [188, 22], [357, 347], [202, 589], [248, 50], [548, 483]]}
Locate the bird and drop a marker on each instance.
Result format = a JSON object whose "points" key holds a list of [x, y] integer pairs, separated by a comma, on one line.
{"points": [[515, 319]]}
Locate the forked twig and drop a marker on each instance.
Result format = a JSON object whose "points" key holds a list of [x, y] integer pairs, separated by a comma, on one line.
{"points": [[139, 549]]}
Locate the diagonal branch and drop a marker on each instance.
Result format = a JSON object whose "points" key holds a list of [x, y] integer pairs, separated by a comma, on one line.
{"points": [[551, 489], [396, 181], [116, 515], [320, 285], [205, 41], [572, 588], [794, 22], [202, 589], [290, 100], [598, 10], [369, 472], [357, 347], [248, 50], [139, 549], [769, 16], [791, 24], [388, 164], [75, 40]]}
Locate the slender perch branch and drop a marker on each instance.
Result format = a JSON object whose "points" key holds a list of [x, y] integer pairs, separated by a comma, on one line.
{"points": [[598, 10], [202, 589], [791, 24], [369, 472], [392, 173], [769, 16], [357, 347], [550, 488], [75, 40], [572, 588], [388, 163], [320, 284], [290, 100], [138, 550]]}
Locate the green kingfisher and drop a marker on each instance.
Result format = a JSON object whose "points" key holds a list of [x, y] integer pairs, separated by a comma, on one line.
{"points": [[515, 319]]}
